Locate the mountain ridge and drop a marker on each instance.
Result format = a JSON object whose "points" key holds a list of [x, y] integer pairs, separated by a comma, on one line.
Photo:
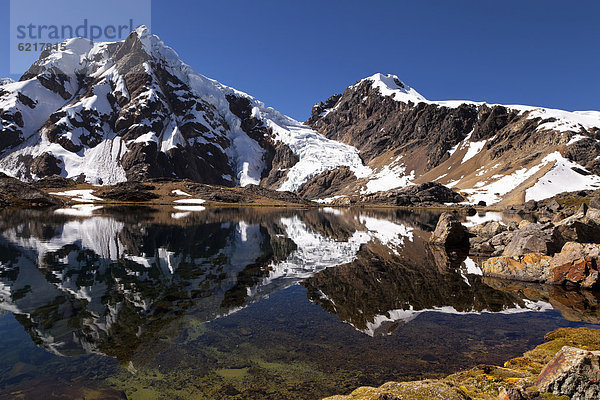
{"points": [[105, 113], [470, 146]]}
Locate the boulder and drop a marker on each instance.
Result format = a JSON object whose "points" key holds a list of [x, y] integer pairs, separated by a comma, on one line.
{"points": [[512, 394], [553, 206], [488, 229], [576, 265], [579, 228], [501, 239], [533, 267], [449, 232], [534, 238], [572, 372], [531, 205], [595, 201], [523, 224]]}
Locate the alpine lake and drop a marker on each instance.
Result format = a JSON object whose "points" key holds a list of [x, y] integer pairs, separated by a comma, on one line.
{"points": [[251, 303]]}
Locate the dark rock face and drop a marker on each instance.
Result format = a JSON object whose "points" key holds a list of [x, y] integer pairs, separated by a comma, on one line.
{"points": [[45, 165], [328, 183], [375, 124], [572, 372], [450, 233], [383, 123], [54, 181], [127, 192], [278, 158]]}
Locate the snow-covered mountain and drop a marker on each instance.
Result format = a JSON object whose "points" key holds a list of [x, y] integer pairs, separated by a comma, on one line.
{"points": [[488, 152], [131, 110], [110, 112]]}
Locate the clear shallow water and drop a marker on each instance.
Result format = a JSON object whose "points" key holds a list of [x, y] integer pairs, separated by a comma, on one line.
{"points": [[250, 304]]}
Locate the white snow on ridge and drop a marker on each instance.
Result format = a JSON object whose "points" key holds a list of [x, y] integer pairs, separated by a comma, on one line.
{"points": [[576, 138], [564, 120], [561, 178], [390, 177], [388, 86]]}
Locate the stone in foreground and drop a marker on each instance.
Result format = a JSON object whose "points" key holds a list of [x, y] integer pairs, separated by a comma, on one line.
{"points": [[573, 372], [418, 390], [449, 232]]}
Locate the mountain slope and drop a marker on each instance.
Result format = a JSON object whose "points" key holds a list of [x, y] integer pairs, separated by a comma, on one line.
{"points": [[488, 152], [131, 110]]}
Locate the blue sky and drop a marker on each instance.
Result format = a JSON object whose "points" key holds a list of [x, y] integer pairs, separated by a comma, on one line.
{"points": [[292, 54]]}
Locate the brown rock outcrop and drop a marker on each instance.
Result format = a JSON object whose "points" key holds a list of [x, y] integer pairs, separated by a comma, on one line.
{"points": [[572, 372], [531, 267], [576, 264]]}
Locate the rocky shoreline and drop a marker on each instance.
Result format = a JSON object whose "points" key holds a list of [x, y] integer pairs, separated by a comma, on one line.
{"points": [[565, 367]]}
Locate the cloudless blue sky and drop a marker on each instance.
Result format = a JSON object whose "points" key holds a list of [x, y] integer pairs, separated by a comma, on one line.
{"points": [[292, 54]]}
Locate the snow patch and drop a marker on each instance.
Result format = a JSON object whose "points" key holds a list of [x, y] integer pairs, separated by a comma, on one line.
{"points": [[561, 178]]}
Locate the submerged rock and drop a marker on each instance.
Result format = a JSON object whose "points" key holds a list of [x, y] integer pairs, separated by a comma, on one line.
{"points": [[450, 233], [573, 372], [559, 370]]}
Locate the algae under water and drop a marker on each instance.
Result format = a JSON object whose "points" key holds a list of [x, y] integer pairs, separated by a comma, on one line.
{"points": [[250, 303]]}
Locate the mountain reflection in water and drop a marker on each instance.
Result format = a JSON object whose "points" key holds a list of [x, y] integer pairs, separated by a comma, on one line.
{"points": [[126, 283]]}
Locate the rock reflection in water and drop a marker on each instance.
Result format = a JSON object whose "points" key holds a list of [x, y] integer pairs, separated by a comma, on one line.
{"points": [[132, 284]]}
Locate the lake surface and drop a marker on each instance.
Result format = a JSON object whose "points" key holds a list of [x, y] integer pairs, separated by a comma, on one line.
{"points": [[254, 303]]}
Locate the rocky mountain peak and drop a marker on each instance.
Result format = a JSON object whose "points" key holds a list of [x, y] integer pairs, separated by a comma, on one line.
{"points": [[391, 85]]}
